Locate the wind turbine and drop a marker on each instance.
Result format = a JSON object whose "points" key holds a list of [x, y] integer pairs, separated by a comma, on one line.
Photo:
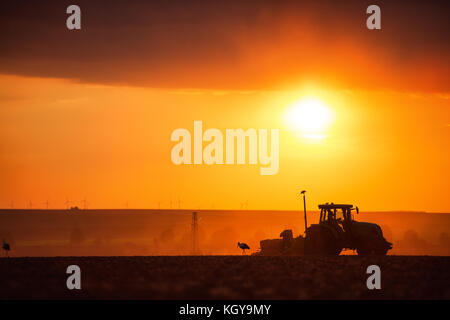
{"points": [[85, 203], [68, 202], [46, 203]]}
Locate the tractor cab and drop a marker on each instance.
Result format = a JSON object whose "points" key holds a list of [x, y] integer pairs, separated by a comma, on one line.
{"points": [[337, 215]]}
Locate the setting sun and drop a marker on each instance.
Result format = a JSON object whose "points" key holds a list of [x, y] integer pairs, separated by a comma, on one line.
{"points": [[310, 117]]}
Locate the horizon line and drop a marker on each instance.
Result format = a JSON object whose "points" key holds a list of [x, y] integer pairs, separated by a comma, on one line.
{"points": [[184, 210]]}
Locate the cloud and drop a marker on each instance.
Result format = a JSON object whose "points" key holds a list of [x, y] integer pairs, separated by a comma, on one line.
{"points": [[246, 45]]}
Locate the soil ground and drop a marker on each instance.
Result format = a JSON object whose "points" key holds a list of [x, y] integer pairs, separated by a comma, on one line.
{"points": [[226, 277]]}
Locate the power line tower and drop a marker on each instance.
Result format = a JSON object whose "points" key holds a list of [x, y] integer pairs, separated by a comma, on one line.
{"points": [[194, 227]]}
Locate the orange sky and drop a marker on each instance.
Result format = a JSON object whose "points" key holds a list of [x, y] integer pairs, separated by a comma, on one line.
{"points": [[385, 150], [90, 115]]}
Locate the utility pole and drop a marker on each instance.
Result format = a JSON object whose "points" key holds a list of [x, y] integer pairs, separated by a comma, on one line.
{"points": [[304, 207], [194, 232]]}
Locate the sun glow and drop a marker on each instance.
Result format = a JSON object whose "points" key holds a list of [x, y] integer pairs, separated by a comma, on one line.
{"points": [[310, 117]]}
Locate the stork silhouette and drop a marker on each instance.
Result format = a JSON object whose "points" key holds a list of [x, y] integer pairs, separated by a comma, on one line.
{"points": [[243, 246], [6, 247]]}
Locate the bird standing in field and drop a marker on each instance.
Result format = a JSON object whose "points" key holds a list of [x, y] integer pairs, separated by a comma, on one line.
{"points": [[6, 247], [243, 246]]}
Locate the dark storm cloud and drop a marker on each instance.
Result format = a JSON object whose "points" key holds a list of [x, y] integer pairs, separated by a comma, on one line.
{"points": [[231, 44]]}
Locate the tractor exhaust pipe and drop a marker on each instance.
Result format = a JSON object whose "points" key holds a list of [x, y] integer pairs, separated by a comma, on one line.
{"points": [[304, 207]]}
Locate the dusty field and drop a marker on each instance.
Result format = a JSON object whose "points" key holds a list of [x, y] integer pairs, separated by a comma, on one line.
{"points": [[120, 232], [226, 277]]}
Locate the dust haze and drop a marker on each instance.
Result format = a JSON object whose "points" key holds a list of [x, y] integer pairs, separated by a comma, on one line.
{"points": [[49, 233]]}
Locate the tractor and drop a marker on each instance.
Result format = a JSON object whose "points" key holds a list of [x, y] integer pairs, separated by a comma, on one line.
{"points": [[336, 230]]}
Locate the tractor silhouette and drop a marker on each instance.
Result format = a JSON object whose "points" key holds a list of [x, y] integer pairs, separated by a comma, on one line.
{"points": [[336, 231]]}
